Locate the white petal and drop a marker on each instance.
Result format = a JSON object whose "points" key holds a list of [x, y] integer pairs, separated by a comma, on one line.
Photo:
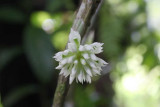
{"points": [[64, 61], [65, 52], [97, 47], [71, 79], [85, 55], [99, 68], [88, 78], [83, 61], [59, 66], [72, 75], [88, 71], [80, 77], [93, 57], [66, 73], [92, 64], [73, 71], [96, 71], [83, 76], [88, 47], [63, 70], [74, 35], [58, 56], [81, 48], [75, 62], [77, 80], [72, 47], [102, 62], [70, 59]]}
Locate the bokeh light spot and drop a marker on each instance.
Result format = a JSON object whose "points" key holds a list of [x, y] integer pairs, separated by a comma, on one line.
{"points": [[37, 18], [60, 39]]}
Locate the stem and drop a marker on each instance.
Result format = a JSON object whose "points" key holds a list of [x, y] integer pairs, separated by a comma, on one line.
{"points": [[92, 22], [82, 21]]}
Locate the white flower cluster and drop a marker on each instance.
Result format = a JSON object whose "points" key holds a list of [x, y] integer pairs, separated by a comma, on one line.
{"points": [[79, 61]]}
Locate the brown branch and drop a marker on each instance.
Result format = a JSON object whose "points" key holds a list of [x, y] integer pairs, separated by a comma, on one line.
{"points": [[82, 21]]}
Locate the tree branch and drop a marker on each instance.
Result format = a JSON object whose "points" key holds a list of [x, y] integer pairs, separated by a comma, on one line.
{"points": [[82, 21]]}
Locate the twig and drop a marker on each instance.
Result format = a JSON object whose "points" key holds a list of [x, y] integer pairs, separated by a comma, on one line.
{"points": [[82, 21], [92, 22]]}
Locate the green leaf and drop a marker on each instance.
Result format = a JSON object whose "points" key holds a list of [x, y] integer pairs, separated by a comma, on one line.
{"points": [[39, 51], [18, 94]]}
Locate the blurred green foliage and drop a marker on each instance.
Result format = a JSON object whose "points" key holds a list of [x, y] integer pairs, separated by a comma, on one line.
{"points": [[39, 51], [37, 18], [0, 102], [83, 98], [33, 31], [131, 39], [60, 39]]}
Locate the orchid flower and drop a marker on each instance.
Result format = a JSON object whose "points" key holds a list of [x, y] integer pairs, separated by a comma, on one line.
{"points": [[79, 61]]}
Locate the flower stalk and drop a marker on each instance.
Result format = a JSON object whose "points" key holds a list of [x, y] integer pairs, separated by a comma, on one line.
{"points": [[82, 21]]}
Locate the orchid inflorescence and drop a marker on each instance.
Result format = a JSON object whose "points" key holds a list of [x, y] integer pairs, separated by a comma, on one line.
{"points": [[79, 61]]}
